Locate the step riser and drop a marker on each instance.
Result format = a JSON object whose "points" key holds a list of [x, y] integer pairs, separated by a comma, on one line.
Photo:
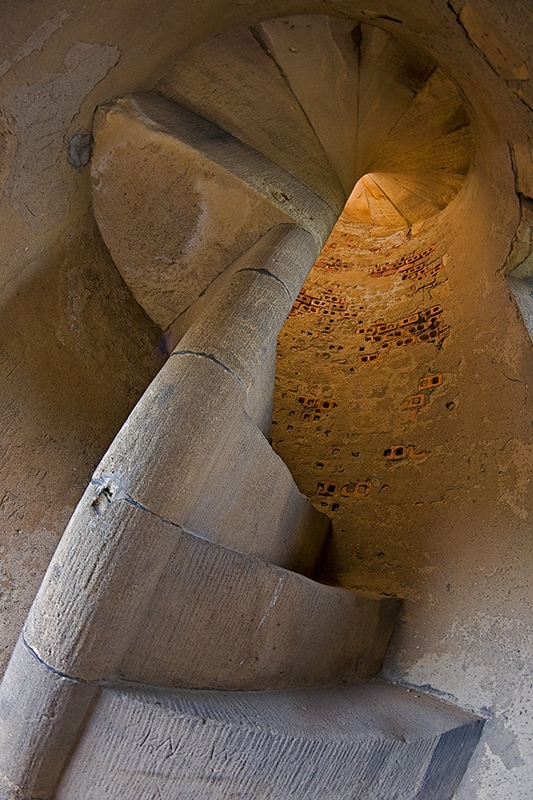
{"points": [[248, 624], [251, 625], [183, 752], [225, 194]]}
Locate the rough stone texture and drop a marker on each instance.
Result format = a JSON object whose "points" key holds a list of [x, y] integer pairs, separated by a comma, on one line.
{"points": [[466, 564], [76, 354], [437, 154], [244, 320], [239, 326], [260, 397], [522, 153], [192, 466], [498, 51], [408, 203], [319, 57], [384, 213], [250, 625], [251, 504], [390, 75], [518, 262], [421, 165], [247, 624], [285, 251], [162, 454], [33, 113], [437, 110], [79, 150], [231, 81], [373, 741], [97, 587], [522, 289], [224, 193], [41, 714]]}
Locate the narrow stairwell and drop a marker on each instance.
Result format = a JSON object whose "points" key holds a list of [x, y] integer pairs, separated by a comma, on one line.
{"points": [[178, 646]]}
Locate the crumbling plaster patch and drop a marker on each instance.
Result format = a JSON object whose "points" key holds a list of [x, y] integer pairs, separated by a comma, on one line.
{"points": [[41, 113], [36, 40], [504, 762]]}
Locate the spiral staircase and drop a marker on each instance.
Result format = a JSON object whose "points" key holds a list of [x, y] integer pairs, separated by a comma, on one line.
{"points": [[179, 646]]}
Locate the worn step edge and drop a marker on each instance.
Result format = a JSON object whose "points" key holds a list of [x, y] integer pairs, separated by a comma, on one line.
{"points": [[122, 595], [374, 741], [253, 625], [281, 189]]}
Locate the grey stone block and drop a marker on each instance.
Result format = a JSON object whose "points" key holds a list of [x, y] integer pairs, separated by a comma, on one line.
{"points": [[220, 619], [372, 741], [260, 396], [522, 289], [190, 454], [41, 717], [286, 251], [185, 422], [98, 585], [125, 590], [252, 505], [178, 199]]}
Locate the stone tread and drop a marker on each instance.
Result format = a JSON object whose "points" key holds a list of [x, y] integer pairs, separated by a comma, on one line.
{"points": [[320, 60], [225, 193], [390, 76], [126, 589], [232, 81], [373, 741]]}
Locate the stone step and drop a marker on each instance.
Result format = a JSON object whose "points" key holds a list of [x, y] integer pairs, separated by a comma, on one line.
{"points": [[391, 74], [125, 590], [41, 716], [437, 109], [413, 195], [252, 505], [450, 152], [232, 81], [384, 213], [252, 625], [319, 57], [190, 453], [412, 206], [155, 162], [211, 470], [241, 324], [372, 741], [437, 187]]}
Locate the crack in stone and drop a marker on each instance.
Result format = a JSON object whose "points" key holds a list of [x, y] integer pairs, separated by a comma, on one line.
{"points": [[264, 271], [210, 357], [53, 669], [117, 493]]}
